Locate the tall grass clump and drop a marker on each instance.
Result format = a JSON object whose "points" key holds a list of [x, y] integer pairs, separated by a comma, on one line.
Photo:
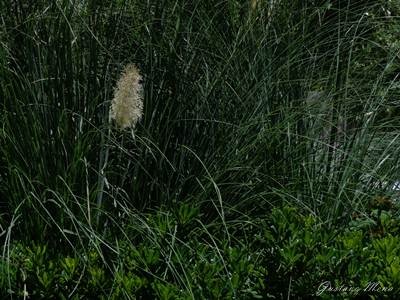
{"points": [[239, 107]]}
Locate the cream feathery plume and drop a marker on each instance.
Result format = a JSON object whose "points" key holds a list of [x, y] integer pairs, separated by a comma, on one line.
{"points": [[127, 105]]}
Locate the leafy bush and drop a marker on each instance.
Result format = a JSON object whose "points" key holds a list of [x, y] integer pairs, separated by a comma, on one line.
{"points": [[287, 253]]}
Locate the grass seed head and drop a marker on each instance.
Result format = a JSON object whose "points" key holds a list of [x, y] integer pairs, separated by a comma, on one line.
{"points": [[127, 105]]}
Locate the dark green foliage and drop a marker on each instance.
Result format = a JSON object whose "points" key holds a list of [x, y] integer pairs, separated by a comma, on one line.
{"points": [[287, 248], [267, 128]]}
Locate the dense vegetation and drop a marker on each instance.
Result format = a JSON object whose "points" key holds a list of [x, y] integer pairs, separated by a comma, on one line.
{"points": [[265, 164]]}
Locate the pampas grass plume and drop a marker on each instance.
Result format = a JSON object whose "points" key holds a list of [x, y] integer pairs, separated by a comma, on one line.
{"points": [[253, 4], [127, 105]]}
